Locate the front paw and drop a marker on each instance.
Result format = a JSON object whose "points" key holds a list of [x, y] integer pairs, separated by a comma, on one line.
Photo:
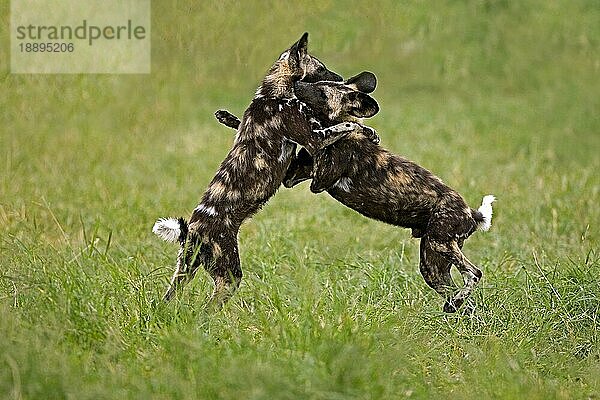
{"points": [[348, 126], [228, 119], [371, 134], [222, 115]]}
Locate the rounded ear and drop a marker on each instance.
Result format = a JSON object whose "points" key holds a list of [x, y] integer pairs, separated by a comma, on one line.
{"points": [[365, 82], [362, 105]]}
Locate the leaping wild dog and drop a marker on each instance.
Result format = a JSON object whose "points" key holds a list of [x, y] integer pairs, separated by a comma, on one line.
{"points": [[249, 175], [384, 186]]}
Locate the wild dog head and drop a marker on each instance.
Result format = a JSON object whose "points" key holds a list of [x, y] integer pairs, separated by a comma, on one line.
{"points": [[294, 64], [334, 102], [317, 71]]}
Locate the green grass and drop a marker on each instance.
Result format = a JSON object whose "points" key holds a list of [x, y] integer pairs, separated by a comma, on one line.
{"points": [[494, 96]]}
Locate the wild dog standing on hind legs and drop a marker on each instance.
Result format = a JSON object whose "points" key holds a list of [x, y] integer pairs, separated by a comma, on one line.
{"points": [[250, 174], [384, 186], [381, 185]]}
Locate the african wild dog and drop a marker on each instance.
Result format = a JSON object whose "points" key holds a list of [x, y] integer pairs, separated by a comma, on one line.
{"points": [[250, 174], [387, 187]]}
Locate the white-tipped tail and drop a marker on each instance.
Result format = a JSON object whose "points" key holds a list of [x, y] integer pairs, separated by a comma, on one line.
{"points": [[486, 211], [168, 229]]}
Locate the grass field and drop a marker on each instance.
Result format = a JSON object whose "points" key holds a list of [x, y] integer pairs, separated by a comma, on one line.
{"points": [[494, 96]]}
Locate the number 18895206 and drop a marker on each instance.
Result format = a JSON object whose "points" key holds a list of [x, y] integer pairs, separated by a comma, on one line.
{"points": [[46, 47]]}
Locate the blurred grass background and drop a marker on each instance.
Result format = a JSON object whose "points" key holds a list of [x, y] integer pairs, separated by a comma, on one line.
{"points": [[493, 96]]}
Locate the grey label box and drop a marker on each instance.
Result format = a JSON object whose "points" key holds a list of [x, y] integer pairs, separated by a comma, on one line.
{"points": [[80, 36]]}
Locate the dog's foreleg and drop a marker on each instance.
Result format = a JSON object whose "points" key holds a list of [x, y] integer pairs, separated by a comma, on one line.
{"points": [[329, 166], [299, 170], [227, 119], [371, 134], [330, 135], [334, 133]]}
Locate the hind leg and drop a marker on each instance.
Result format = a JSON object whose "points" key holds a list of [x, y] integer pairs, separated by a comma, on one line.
{"points": [[471, 274], [435, 268], [226, 272], [184, 272], [222, 262]]}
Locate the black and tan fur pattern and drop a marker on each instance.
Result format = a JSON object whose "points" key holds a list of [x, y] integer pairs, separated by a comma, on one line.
{"points": [[249, 175], [387, 187]]}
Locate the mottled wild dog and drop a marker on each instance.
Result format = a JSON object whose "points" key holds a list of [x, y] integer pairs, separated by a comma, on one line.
{"points": [[250, 174], [387, 187]]}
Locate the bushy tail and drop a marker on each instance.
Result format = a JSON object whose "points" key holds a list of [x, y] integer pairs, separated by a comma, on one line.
{"points": [[483, 215], [171, 229]]}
